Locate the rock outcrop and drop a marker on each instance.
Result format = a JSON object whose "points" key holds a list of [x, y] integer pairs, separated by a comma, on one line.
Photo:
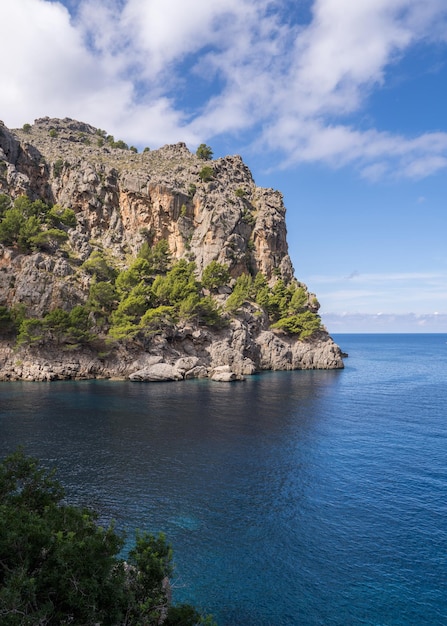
{"points": [[122, 199]]}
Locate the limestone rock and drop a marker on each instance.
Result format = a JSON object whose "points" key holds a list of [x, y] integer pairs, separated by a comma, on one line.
{"points": [[121, 200], [159, 372], [223, 374]]}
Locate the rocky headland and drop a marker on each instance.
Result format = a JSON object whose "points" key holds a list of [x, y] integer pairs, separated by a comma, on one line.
{"points": [[159, 265]]}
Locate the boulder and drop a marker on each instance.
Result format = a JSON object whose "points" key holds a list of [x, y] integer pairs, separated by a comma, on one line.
{"points": [[223, 374], [158, 372]]}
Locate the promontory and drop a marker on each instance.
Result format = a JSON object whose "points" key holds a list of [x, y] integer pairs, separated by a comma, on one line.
{"points": [[154, 265]]}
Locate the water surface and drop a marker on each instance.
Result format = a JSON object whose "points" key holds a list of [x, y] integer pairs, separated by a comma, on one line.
{"points": [[291, 498]]}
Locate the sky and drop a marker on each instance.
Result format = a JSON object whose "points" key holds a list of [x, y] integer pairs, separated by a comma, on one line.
{"points": [[340, 105]]}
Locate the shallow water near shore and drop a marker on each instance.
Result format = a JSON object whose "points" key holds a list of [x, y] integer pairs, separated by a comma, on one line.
{"points": [[293, 498]]}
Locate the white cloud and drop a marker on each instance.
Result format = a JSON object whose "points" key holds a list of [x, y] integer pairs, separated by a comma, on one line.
{"points": [[385, 323], [131, 66], [393, 292]]}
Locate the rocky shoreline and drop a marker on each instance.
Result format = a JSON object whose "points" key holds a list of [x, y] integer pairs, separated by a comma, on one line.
{"points": [[225, 356]]}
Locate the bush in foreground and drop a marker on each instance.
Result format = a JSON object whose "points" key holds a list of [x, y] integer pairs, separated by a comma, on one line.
{"points": [[58, 566]]}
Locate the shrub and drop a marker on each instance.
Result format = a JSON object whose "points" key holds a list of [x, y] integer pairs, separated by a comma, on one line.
{"points": [[102, 297], [98, 266], [204, 152], [178, 283], [215, 275], [206, 173], [157, 319], [241, 293], [48, 239], [60, 567], [5, 204], [158, 256], [30, 331], [57, 167], [26, 128], [303, 324], [57, 216]]}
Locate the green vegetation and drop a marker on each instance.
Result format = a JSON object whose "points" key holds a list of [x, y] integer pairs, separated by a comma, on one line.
{"points": [[26, 128], [286, 305], [31, 225], [5, 204], [59, 566], [150, 296], [215, 275], [57, 167], [206, 173], [204, 152], [58, 326]]}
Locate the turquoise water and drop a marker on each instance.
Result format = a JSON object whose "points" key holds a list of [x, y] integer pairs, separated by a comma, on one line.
{"points": [[293, 498]]}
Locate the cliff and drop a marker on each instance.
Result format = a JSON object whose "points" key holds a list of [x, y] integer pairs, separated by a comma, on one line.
{"points": [[94, 236]]}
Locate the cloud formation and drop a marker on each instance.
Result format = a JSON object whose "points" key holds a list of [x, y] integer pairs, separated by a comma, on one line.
{"points": [[192, 70], [384, 293]]}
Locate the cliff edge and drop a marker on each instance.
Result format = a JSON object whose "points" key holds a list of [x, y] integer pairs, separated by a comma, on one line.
{"points": [[162, 265]]}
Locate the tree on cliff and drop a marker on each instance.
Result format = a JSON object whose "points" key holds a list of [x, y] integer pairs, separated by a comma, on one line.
{"points": [[204, 152], [58, 566]]}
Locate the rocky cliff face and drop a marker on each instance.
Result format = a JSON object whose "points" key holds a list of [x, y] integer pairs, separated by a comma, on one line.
{"points": [[122, 199]]}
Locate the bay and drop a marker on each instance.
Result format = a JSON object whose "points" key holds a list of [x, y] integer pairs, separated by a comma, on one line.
{"points": [[292, 498]]}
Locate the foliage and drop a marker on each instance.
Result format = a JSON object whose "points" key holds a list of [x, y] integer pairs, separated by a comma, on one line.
{"points": [[58, 566], [206, 173], [158, 256], [26, 128], [57, 167], [157, 319], [241, 293], [248, 217], [5, 203], [139, 271], [10, 226], [303, 324], [134, 305], [240, 193], [120, 144], [98, 266], [7, 325], [177, 284], [102, 296], [58, 216], [53, 133], [204, 152], [47, 239], [30, 331], [215, 275], [28, 224], [58, 326]]}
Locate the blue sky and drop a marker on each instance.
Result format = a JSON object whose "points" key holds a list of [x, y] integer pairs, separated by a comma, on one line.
{"points": [[338, 104]]}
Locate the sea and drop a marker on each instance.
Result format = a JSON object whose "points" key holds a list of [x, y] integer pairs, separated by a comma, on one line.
{"points": [[290, 499]]}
